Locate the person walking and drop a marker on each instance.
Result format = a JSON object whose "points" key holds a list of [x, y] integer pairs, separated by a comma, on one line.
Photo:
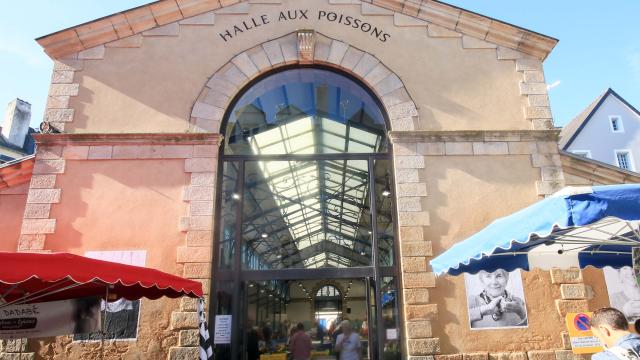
{"points": [[320, 332], [611, 327], [300, 344], [348, 343], [253, 344]]}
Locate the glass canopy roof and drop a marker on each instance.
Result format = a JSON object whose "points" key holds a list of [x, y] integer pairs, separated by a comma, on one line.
{"points": [[299, 104], [306, 213]]}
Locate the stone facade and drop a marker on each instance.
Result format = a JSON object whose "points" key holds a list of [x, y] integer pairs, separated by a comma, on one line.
{"points": [[149, 88]]}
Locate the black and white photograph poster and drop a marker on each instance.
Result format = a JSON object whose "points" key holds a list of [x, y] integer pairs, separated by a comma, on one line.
{"points": [[623, 290], [495, 300], [47, 319], [122, 316]]}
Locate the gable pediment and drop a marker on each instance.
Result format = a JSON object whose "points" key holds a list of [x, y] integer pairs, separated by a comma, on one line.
{"points": [[442, 19]]}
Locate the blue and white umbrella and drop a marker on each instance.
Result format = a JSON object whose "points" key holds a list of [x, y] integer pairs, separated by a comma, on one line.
{"points": [[576, 227]]}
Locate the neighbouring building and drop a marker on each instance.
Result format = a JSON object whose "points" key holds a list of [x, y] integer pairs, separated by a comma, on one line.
{"points": [[303, 160], [16, 139], [608, 130]]}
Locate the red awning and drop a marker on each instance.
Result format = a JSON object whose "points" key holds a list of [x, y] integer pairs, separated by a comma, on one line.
{"points": [[48, 277]]}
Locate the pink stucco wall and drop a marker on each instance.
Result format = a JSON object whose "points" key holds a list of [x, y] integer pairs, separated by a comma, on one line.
{"points": [[12, 203], [121, 205]]}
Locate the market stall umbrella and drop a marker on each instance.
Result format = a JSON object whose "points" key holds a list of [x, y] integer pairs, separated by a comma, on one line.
{"points": [[32, 278], [29, 277], [578, 226]]}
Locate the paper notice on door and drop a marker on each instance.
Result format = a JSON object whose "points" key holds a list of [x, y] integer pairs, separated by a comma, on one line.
{"points": [[222, 332]]}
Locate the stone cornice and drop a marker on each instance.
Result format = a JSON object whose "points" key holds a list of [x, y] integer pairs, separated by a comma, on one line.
{"points": [[129, 139], [596, 171], [134, 21], [473, 135]]}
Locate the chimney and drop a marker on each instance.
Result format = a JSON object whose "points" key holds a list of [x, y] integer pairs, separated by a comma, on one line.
{"points": [[16, 122]]}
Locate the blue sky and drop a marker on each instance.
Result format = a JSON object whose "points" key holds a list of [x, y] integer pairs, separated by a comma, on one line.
{"points": [[599, 45]]}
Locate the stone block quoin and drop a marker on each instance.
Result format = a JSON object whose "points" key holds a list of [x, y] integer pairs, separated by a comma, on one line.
{"points": [[573, 298]]}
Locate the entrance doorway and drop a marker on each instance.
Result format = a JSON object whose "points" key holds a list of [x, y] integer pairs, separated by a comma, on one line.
{"points": [[305, 220], [319, 305], [327, 305]]}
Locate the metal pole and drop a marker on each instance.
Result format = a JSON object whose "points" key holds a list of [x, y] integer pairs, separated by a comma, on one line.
{"points": [[376, 261], [104, 321], [237, 267]]}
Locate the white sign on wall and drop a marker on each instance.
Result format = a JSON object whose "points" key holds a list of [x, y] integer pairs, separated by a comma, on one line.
{"points": [[222, 332]]}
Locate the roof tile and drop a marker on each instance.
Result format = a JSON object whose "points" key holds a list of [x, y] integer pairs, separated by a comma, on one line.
{"points": [[224, 3], [440, 14], [96, 33], [474, 25], [412, 7], [533, 44], [166, 11], [121, 25], [62, 43], [389, 4], [195, 7], [140, 19], [504, 34]]}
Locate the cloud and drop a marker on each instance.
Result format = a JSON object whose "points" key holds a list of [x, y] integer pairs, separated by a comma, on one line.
{"points": [[553, 85]]}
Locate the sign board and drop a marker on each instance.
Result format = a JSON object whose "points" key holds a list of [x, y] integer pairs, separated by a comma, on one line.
{"points": [[222, 331], [349, 23], [77, 316], [582, 339]]}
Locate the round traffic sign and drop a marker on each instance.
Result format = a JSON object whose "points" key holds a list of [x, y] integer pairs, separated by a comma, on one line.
{"points": [[582, 322]]}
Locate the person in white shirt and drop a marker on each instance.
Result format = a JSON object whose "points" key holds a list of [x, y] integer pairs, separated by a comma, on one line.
{"points": [[348, 343]]}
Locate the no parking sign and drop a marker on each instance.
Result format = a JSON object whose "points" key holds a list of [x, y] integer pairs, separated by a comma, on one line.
{"points": [[582, 339]]}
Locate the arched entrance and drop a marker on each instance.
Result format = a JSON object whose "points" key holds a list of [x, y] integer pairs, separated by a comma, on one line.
{"points": [[328, 306], [304, 196]]}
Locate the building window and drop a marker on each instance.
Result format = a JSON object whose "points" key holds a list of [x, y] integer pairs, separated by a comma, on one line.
{"points": [[583, 153], [623, 158], [616, 124], [328, 291]]}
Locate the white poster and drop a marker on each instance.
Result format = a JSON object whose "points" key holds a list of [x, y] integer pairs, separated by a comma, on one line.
{"points": [[222, 332], [623, 290], [496, 300], [55, 318], [122, 315]]}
